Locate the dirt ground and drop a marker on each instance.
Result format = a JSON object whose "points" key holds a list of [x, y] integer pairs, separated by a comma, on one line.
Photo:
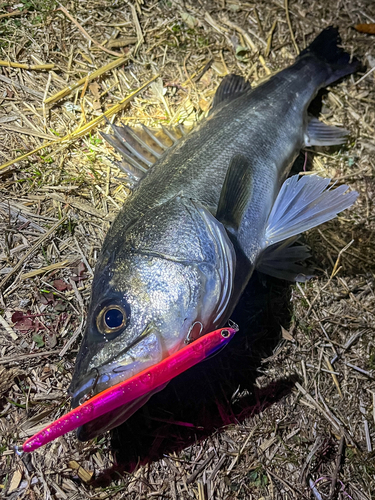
{"points": [[287, 410]]}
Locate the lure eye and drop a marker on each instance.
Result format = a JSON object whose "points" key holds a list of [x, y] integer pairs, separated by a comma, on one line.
{"points": [[111, 319]]}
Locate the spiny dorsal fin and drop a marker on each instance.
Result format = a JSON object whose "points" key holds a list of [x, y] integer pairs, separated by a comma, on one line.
{"points": [[231, 87], [140, 148], [235, 193]]}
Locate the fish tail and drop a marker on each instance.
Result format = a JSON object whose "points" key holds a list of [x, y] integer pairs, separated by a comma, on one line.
{"points": [[325, 48]]}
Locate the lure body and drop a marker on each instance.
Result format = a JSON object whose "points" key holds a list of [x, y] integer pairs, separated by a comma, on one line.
{"points": [[133, 388]]}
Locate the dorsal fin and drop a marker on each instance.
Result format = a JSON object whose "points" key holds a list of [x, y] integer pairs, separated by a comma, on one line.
{"points": [[140, 148], [231, 87]]}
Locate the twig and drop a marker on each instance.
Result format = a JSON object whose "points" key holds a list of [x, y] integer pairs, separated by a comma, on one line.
{"points": [[26, 131], [259, 22], [364, 76], [269, 39], [36, 245], [336, 268], [248, 40], [46, 269], [84, 32], [89, 268], [195, 474], [314, 489], [337, 468], [263, 63], [362, 409], [312, 401], [26, 66], [138, 28], [8, 328], [287, 485], [14, 13], [20, 357], [17, 85], [90, 76], [236, 458], [44, 99], [290, 26], [107, 196], [360, 370], [77, 294], [334, 376], [72, 339]]}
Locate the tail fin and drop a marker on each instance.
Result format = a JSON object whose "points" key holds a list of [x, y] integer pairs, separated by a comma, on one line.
{"points": [[326, 48]]}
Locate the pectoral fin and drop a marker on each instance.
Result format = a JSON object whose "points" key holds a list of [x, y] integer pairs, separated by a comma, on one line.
{"points": [[235, 193], [320, 134], [302, 203]]}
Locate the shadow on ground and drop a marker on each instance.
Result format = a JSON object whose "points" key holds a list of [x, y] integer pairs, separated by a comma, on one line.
{"points": [[200, 401]]}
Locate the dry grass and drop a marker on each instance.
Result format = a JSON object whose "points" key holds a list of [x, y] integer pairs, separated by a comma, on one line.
{"points": [[274, 416]]}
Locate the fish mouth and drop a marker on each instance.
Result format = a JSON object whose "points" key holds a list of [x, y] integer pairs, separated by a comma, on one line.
{"points": [[129, 362], [145, 351]]}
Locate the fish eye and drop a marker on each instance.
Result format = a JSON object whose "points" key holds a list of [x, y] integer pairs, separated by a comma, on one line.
{"points": [[111, 319]]}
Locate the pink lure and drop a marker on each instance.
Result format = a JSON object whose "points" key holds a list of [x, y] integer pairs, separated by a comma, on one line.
{"points": [[132, 388]]}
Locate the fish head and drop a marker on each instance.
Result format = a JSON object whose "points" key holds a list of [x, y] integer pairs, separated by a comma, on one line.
{"points": [[140, 312], [151, 294]]}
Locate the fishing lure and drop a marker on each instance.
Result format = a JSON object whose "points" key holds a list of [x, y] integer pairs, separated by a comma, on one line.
{"points": [[134, 387]]}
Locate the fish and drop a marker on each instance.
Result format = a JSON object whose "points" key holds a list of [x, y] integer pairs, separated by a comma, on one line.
{"points": [[207, 211], [135, 387]]}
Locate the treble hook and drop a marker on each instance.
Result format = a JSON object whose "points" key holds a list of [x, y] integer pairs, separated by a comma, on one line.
{"points": [[188, 339], [90, 394]]}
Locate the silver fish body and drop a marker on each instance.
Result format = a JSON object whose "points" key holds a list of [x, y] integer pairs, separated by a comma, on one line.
{"points": [[170, 270]]}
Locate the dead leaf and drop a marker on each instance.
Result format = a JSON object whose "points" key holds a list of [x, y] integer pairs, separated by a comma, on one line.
{"points": [[15, 481], [219, 68], [205, 81], [46, 298], [81, 269], [17, 316], [368, 28], [24, 325], [203, 104], [94, 89], [51, 341], [122, 42], [82, 473], [189, 20], [61, 286], [242, 53], [286, 335]]}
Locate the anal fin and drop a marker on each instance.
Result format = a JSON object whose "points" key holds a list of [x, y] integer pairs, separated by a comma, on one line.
{"points": [[283, 261]]}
